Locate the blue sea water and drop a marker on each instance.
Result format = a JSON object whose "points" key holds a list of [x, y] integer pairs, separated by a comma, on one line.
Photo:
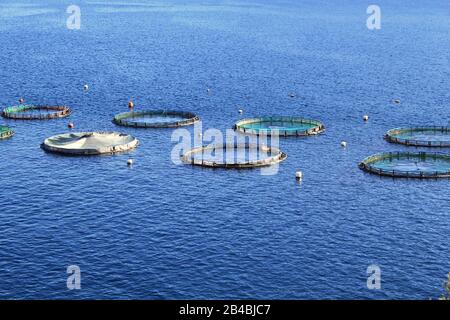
{"points": [[163, 231]]}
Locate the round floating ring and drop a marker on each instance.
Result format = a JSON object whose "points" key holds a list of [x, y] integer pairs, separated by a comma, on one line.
{"points": [[30, 112], [408, 165], [90, 143], [284, 126], [155, 119], [5, 132], [271, 156], [420, 137]]}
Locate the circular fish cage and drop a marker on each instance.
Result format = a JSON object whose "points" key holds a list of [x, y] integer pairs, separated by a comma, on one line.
{"points": [[5, 132], [408, 165], [30, 112], [155, 119], [244, 156], [90, 143], [420, 137], [284, 126]]}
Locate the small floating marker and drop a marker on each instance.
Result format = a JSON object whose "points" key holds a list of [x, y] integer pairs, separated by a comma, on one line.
{"points": [[366, 118], [344, 144], [241, 111], [130, 104], [291, 95], [130, 162], [299, 175], [86, 87], [21, 100], [70, 125], [396, 101]]}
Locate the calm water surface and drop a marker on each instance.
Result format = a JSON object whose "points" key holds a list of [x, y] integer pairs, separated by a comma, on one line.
{"points": [[162, 231]]}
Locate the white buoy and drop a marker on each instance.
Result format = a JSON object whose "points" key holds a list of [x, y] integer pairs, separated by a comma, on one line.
{"points": [[344, 144], [241, 111], [366, 118], [70, 125], [86, 87], [130, 162], [299, 175], [397, 101]]}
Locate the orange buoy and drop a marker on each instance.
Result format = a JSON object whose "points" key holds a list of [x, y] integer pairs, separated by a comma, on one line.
{"points": [[130, 105], [70, 125]]}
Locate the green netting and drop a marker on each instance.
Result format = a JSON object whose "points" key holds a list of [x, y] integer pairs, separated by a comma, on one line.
{"points": [[420, 137], [408, 165], [5, 132], [155, 119], [283, 126], [31, 112], [233, 156]]}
